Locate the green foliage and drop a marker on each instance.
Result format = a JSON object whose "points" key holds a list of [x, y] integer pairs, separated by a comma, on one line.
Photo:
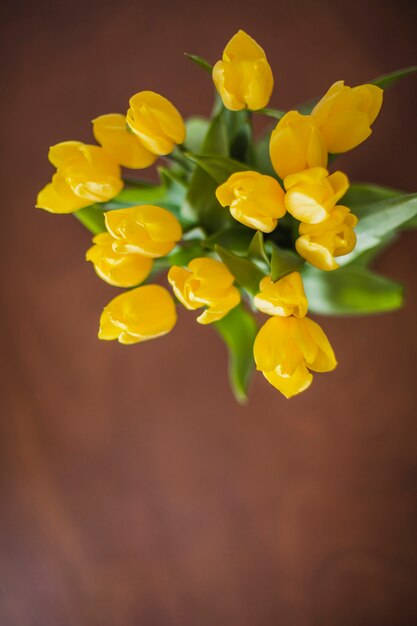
{"points": [[387, 80], [379, 220], [284, 262], [92, 217], [205, 65], [350, 291], [197, 128], [218, 168], [257, 251], [247, 274], [238, 330]]}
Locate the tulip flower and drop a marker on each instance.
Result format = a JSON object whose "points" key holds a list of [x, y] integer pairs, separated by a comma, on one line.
{"points": [[284, 297], [297, 144], [120, 270], [147, 230], [205, 282], [345, 114], [312, 194], [138, 315], [126, 148], [320, 243], [156, 122], [243, 77], [287, 348], [85, 175], [255, 200]]}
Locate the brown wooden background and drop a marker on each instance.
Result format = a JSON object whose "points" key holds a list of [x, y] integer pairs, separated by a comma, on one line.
{"points": [[133, 490]]}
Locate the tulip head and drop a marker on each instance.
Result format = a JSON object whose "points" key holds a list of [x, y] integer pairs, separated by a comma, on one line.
{"points": [[205, 282], [156, 122], [123, 146], [138, 315], [312, 194], [345, 114], [243, 77], [120, 270], [320, 243], [296, 144], [85, 175], [146, 230], [284, 297], [287, 348], [255, 200]]}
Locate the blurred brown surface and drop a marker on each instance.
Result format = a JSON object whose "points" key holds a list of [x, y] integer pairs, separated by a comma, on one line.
{"points": [[133, 489]]}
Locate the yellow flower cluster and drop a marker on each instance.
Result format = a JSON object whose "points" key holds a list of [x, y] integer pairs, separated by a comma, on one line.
{"points": [[86, 174], [299, 149], [289, 346]]}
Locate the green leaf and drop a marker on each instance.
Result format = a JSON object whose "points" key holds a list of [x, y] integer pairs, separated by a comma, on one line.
{"points": [[262, 158], [201, 205], [238, 330], [234, 238], [284, 262], [247, 274], [389, 79], [275, 113], [180, 255], [360, 194], [241, 146], [350, 291], [219, 168], [197, 128], [92, 217], [257, 250], [205, 65], [380, 219]]}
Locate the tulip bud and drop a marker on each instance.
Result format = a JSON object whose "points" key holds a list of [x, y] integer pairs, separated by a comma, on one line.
{"points": [[320, 243], [156, 122], [345, 114], [286, 348], [255, 200], [206, 282], [312, 194], [120, 270], [296, 144], [85, 175], [243, 77], [284, 297], [138, 315], [147, 230], [126, 148]]}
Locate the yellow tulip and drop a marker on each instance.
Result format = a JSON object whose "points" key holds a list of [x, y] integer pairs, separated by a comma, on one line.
{"points": [[284, 297], [320, 243], [126, 148], [255, 200], [138, 315], [120, 270], [312, 194], [243, 77], [58, 197], [85, 175], [147, 230], [287, 348], [206, 282], [345, 114], [156, 122], [296, 144]]}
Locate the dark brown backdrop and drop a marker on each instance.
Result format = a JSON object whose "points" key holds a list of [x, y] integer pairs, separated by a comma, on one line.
{"points": [[133, 489]]}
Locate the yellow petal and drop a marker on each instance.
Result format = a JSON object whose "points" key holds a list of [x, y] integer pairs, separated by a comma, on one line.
{"points": [[296, 144], [220, 308], [322, 359], [290, 386], [51, 199], [64, 151], [138, 315], [110, 131], [156, 121], [284, 297]]}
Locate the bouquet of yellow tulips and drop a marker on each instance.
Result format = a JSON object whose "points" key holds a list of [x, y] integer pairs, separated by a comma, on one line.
{"points": [[238, 225]]}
